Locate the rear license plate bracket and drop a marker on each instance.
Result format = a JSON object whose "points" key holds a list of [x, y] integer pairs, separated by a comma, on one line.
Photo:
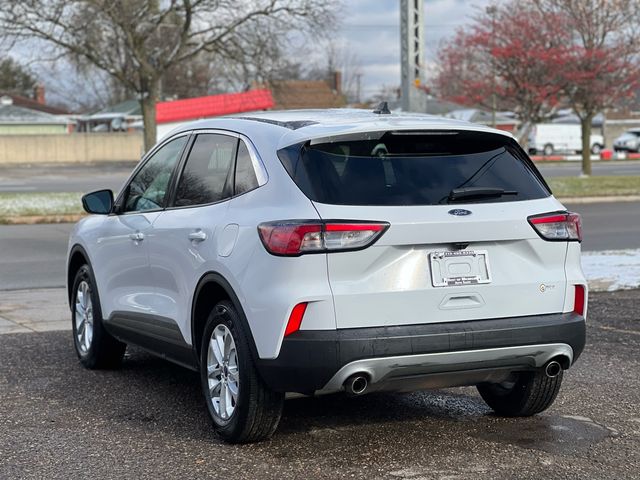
{"points": [[459, 268]]}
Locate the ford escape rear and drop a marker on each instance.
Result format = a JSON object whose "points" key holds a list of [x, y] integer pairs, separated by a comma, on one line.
{"points": [[314, 252]]}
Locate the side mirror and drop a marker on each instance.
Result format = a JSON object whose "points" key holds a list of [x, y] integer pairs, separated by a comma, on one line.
{"points": [[100, 202]]}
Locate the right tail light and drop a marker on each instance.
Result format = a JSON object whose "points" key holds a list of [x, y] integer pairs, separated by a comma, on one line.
{"points": [[558, 226], [579, 300]]}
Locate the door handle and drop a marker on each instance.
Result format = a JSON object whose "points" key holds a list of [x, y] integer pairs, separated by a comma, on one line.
{"points": [[198, 236], [136, 237]]}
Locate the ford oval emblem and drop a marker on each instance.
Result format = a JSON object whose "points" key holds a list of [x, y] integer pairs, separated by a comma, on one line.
{"points": [[459, 212]]}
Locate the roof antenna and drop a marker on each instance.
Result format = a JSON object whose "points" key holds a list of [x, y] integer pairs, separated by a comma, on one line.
{"points": [[382, 109]]}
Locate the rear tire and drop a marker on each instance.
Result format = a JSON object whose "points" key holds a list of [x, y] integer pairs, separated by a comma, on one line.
{"points": [[243, 409], [548, 149], [95, 347], [528, 394], [596, 148]]}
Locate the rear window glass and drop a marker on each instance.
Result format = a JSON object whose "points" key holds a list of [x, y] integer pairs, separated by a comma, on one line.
{"points": [[414, 168]]}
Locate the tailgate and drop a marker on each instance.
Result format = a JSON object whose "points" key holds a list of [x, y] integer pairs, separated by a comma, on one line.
{"points": [[499, 267]]}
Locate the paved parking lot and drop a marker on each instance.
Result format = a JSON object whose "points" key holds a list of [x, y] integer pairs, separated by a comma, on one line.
{"points": [[147, 420]]}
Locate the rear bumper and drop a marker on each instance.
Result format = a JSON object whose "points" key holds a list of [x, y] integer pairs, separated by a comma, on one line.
{"points": [[316, 360]]}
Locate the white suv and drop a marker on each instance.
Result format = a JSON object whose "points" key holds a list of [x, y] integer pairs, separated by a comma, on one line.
{"points": [[313, 252]]}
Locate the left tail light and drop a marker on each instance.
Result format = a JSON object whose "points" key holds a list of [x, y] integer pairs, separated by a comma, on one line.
{"points": [[294, 238], [295, 319], [558, 226]]}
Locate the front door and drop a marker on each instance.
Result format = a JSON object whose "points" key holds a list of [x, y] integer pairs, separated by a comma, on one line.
{"points": [[124, 279]]}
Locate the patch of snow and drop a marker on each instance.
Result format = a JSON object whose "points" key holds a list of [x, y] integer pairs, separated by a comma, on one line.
{"points": [[612, 270]]}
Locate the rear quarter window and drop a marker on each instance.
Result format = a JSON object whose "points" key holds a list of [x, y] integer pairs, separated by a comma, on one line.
{"points": [[414, 168]]}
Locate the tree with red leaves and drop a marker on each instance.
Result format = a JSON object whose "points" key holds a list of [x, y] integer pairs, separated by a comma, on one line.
{"points": [[535, 55], [601, 67], [512, 53]]}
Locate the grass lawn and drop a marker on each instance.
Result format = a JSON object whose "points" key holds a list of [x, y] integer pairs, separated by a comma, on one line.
{"points": [[594, 186], [32, 204]]}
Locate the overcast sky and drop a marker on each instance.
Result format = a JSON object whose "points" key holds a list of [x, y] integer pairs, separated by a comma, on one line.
{"points": [[371, 29]]}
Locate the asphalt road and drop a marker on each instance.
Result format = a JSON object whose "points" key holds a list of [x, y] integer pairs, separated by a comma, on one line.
{"points": [[66, 178], [33, 256], [609, 226], [148, 420]]}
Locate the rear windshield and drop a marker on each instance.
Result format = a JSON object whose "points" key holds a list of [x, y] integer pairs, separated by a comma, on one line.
{"points": [[414, 168]]}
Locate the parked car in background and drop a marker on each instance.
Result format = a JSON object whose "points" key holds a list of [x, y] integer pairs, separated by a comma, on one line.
{"points": [[629, 141], [314, 252], [551, 138]]}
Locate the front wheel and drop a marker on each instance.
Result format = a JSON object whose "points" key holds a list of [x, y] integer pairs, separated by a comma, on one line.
{"points": [[525, 394], [596, 148], [548, 149], [94, 346], [243, 409]]}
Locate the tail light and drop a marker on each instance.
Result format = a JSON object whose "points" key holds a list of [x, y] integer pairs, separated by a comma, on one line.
{"points": [[294, 238], [578, 303], [558, 226]]}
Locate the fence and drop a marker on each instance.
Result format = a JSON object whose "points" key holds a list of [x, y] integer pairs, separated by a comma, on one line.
{"points": [[71, 148]]}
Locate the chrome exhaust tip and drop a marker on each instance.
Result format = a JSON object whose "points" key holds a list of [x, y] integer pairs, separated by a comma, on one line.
{"points": [[356, 384], [552, 369]]}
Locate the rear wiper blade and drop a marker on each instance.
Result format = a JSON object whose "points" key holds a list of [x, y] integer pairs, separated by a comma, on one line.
{"points": [[478, 192]]}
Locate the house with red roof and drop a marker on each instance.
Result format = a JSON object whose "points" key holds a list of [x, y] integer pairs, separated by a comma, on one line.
{"points": [[127, 116], [171, 114]]}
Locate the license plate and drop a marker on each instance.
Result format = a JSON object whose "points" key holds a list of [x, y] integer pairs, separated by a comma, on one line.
{"points": [[459, 267]]}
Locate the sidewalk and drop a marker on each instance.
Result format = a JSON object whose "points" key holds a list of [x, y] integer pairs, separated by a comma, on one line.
{"points": [[38, 310]]}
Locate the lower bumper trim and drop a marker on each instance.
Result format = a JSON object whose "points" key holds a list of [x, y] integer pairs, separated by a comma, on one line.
{"points": [[459, 366], [310, 359]]}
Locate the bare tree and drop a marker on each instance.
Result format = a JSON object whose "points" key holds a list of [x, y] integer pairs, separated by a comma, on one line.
{"points": [[138, 42], [338, 57], [602, 63], [78, 88]]}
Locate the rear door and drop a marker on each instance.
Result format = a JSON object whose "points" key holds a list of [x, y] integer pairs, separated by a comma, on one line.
{"points": [[445, 257], [185, 238]]}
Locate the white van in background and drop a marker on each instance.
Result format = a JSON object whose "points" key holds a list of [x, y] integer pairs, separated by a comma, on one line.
{"points": [[550, 138]]}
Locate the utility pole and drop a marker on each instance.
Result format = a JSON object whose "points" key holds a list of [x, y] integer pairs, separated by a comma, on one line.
{"points": [[412, 55], [492, 10]]}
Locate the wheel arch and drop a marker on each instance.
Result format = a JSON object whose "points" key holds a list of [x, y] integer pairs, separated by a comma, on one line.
{"points": [[211, 289], [77, 257]]}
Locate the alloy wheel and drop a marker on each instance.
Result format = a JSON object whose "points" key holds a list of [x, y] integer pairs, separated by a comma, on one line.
{"points": [[84, 317], [222, 372]]}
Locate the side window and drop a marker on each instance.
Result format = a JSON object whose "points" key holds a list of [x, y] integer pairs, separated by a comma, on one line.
{"points": [[245, 174], [147, 190], [208, 174]]}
